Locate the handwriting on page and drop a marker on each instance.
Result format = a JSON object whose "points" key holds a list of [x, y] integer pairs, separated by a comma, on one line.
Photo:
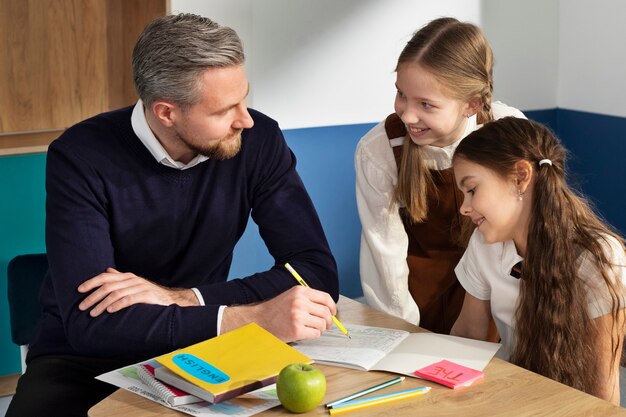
{"points": [[366, 346], [450, 374]]}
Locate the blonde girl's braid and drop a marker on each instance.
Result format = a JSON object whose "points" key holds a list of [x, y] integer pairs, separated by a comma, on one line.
{"points": [[486, 93], [485, 114]]}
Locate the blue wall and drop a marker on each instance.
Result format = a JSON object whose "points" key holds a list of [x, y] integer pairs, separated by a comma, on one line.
{"points": [[596, 145], [326, 164], [22, 217], [325, 161]]}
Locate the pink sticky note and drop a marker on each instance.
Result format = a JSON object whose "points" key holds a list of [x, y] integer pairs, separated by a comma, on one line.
{"points": [[450, 374]]}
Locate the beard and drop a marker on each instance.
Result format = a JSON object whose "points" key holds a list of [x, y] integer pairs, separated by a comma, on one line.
{"points": [[225, 148]]}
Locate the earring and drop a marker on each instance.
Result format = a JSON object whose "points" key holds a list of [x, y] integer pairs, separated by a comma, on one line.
{"points": [[520, 193]]}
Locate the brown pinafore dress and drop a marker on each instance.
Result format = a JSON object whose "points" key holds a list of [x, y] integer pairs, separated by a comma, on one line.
{"points": [[433, 251]]}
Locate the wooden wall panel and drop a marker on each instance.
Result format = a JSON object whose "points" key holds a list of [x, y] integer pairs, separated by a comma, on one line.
{"points": [[127, 19], [65, 60], [15, 107]]}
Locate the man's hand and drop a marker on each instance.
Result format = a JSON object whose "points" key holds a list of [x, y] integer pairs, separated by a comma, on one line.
{"points": [[298, 313], [116, 290]]}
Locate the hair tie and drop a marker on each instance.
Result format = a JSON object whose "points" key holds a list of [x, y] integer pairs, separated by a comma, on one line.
{"points": [[545, 161]]}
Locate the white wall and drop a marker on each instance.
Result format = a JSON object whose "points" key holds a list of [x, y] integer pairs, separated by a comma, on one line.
{"points": [[325, 62], [524, 36], [592, 58], [559, 53], [330, 62], [236, 14]]}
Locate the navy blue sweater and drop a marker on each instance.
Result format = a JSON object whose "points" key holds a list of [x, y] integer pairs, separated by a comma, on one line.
{"points": [[111, 204]]}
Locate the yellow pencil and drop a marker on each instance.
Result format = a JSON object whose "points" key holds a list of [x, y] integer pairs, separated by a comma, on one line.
{"points": [[302, 282], [380, 399]]}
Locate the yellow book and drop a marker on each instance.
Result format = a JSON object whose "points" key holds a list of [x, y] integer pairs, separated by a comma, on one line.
{"points": [[228, 365]]}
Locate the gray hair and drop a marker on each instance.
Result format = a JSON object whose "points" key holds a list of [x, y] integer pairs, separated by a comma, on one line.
{"points": [[173, 51]]}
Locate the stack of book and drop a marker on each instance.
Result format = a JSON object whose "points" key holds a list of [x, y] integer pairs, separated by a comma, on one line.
{"points": [[229, 365]]}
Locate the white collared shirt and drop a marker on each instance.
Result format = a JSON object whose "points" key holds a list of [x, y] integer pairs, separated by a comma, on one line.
{"points": [[485, 273], [146, 135]]}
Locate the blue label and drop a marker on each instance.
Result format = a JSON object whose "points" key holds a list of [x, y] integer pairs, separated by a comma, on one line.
{"points": [[200, 369]]}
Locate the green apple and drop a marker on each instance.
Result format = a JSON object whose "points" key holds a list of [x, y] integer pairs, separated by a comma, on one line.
{"points": [[300, 387]]}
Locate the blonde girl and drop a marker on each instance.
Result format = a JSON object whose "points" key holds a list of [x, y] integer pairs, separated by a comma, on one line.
{"points": [[540, 262], [406, 194]]}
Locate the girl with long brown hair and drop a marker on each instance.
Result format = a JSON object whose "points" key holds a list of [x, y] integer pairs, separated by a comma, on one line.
{"points": [[540, 262], [406, 193]]}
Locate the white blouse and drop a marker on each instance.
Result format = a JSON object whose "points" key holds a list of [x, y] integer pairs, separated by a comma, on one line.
{"points": [[384, 241]]}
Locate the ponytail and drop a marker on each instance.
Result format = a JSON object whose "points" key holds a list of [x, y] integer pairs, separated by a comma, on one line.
{"points": [[551, 292]]}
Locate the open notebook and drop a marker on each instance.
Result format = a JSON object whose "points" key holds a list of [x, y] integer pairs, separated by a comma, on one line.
{"points": [[392, 350]]}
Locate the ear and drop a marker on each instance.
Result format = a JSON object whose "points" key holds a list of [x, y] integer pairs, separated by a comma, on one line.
{"points": [[523, 174], [474, 105], [164, 112]]}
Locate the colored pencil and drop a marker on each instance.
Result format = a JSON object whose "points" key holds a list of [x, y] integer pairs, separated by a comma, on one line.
{"points": [[365, 391], [378, 400]]}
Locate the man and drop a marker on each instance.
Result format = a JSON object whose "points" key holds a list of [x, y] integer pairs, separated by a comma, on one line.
{"points": [[144, 207]]}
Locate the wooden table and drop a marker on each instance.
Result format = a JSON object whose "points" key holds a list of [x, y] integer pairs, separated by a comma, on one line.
{"points": [[507, 390]]}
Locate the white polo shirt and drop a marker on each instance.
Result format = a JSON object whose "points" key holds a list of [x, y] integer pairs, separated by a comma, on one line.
{"points": [[484, 271]]}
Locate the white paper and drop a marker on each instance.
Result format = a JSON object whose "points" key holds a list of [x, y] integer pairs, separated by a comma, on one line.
{"points": [[245, 405], [365, 347], [392, 350]]}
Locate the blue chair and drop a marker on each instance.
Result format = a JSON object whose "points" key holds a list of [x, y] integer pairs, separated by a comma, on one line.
{"points": [[25, 274]]}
